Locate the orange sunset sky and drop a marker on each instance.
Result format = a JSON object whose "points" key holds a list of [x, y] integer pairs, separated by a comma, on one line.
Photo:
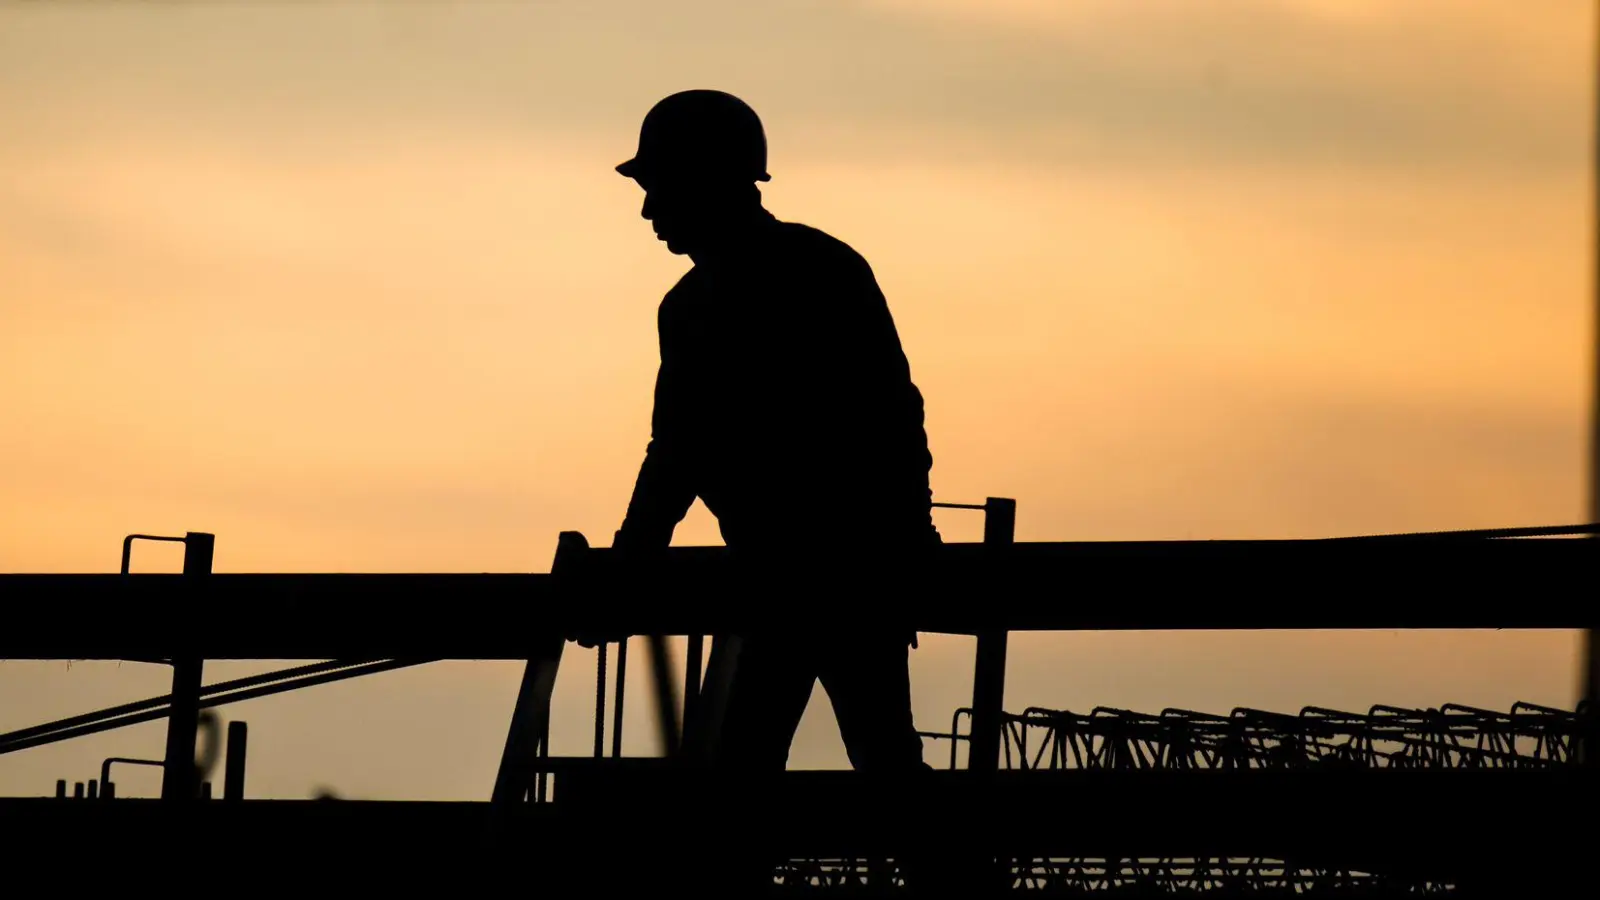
{"points": [[355, 287]]}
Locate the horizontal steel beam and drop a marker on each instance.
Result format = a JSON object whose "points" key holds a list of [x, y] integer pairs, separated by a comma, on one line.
{"points": [[1317, 584]]}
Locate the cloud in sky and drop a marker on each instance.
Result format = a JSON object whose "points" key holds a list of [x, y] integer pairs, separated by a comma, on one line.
{"points": [[1250, 81]]}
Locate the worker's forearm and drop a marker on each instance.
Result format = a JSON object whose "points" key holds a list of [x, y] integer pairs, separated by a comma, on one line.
{"points": [[661, 498]]}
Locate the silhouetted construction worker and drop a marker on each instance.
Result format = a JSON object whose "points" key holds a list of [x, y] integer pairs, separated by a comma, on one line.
{"points": [[785, 403]]}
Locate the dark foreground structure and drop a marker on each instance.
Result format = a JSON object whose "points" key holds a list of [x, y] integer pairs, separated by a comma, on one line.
{"points": [[1110, 802]]}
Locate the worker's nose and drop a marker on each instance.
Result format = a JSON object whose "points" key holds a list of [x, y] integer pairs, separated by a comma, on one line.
{"points": [[647, 210]]}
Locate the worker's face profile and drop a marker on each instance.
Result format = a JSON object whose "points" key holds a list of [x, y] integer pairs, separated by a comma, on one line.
{"points": [[683, 210], [670, 207]]}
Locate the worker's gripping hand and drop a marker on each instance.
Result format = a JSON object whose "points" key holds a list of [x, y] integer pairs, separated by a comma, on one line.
{"points": [[626, 547]]}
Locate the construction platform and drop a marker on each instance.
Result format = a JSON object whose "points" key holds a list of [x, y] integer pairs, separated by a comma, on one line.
{"points": [[1251, 803], [644, 827]]}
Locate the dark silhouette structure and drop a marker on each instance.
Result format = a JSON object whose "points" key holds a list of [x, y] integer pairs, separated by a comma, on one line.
{"points": [[782, 383], [1388, 803]]}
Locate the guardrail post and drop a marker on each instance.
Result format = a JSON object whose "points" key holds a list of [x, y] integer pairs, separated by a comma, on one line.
{"points": [[180, 780], [530, 717], [233, 765], [989, 672]]}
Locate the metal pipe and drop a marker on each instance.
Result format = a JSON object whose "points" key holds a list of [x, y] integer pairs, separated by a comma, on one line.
{"points": [[621, 692], [219, 700], [127, 546], [105, 766], [622, 682], [1589, 687], [666, 703], [107, 788], [164, 699], [1529, 531], [693, 670], [542, 780], [600, 700]]}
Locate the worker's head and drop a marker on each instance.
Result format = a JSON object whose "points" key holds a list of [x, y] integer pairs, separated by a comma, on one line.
{"points": [[700, 154]]}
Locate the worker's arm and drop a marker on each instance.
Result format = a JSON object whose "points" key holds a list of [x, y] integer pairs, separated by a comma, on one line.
{"points": [[664, 491], [869, 388]]}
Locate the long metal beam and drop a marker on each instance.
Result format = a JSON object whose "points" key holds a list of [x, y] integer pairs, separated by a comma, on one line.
{"points": [[1326, 584]]}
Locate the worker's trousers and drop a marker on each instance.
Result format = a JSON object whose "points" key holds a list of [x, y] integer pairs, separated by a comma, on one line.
{"points": [[866, 675]]}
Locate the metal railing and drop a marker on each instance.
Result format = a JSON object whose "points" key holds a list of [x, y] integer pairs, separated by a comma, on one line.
{"points": [[1442, 576]]}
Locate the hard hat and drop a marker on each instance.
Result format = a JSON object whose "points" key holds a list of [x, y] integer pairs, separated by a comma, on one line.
{"points": [[700, 133]]}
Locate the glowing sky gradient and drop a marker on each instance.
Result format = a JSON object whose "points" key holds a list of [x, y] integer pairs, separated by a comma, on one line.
{"points": [[354, 287]]}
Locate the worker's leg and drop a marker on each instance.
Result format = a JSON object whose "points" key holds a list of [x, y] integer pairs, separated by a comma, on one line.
{"points": [[868, 680], [767, 696], [771, 686]]}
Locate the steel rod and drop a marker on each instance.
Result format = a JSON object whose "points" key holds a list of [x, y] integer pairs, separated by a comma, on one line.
{"points": [[209, 702], [164, 699], [600, 699], [622, 683]]}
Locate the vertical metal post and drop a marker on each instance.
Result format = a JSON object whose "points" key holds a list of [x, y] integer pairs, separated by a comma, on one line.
{"points": [[530, 718], [667, 724], [61, 788], [600, 700], [233, 764], [1589, 674], [180, 779], [989, 673], [530, 722], [693, 669], [541, 780], [622, 683], [712, 705]]}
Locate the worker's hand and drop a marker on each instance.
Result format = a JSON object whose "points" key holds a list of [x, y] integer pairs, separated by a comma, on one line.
{"points": [[626, 547], [626, 543]]}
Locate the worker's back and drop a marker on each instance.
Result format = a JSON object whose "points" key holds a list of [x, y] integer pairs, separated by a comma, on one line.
{"points": [[784, 381]]}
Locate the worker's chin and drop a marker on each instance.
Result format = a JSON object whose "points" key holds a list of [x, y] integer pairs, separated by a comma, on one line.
{"points": [[675, 247]]}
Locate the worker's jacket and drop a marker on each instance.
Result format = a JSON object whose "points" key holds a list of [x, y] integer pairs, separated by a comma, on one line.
{"points": [[785, 402]]}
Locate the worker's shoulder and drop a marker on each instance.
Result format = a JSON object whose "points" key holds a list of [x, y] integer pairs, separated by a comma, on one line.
{"points": [[817, 248], [683, 292]]}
